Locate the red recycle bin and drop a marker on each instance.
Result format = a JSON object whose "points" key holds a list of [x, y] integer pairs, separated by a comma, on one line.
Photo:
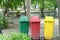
{"points": [[35, 27]]}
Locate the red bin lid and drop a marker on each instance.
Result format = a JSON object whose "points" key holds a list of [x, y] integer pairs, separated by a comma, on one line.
{"points": [[35, 19]]}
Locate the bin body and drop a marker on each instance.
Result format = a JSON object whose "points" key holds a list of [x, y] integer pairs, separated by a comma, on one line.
{"points": [[24, 24], [48, 27], [35, 27]]}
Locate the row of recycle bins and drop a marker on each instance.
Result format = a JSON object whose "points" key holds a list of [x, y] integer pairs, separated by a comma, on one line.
{"points": [[34, 25]]}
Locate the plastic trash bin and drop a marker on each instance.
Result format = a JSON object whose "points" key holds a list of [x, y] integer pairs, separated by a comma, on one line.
{"points": [[35, 27], [24, 24], [48, 27]]}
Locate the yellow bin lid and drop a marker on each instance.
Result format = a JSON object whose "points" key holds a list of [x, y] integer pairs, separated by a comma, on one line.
{"points": [[49, 18]]}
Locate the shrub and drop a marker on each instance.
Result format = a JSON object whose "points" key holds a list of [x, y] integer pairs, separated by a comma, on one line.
{"points": [[18, 36], [3, 37], [2, 22], [15, 36]]}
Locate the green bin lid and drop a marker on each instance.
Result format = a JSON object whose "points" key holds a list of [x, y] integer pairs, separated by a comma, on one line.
{"points": [[23, 19]]}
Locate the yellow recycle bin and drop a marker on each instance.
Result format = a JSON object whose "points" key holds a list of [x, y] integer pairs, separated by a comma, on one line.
{"points": [[48, 27]]}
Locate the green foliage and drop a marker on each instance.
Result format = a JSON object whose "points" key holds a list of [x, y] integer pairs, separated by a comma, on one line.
{"points": [[50, 4], [6, 23], [2, 23], [6, 4], [18, 12], [12, 3], [3, 37], [17, 3], [18, 36], [15, 36], [46, 4], [33, 1]]}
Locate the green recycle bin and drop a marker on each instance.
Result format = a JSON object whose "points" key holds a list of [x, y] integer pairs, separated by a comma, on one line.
{"points": [[24, 24]]}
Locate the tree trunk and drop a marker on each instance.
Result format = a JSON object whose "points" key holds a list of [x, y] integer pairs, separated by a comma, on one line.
{"points": [[42, 12], [25, 8], [54, 12], [28, 7], [59, 14], [35, 6], [4, 16], [42, 9], [5, 12]]}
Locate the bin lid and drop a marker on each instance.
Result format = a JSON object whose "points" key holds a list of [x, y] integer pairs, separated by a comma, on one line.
{"points": [[23, 18], [49, 18], [35, 19]]}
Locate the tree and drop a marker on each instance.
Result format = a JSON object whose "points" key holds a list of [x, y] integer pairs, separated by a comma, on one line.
{"points": [[41, 5], [35, 2], [6, 4], [50, 5], [45, 4]]}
